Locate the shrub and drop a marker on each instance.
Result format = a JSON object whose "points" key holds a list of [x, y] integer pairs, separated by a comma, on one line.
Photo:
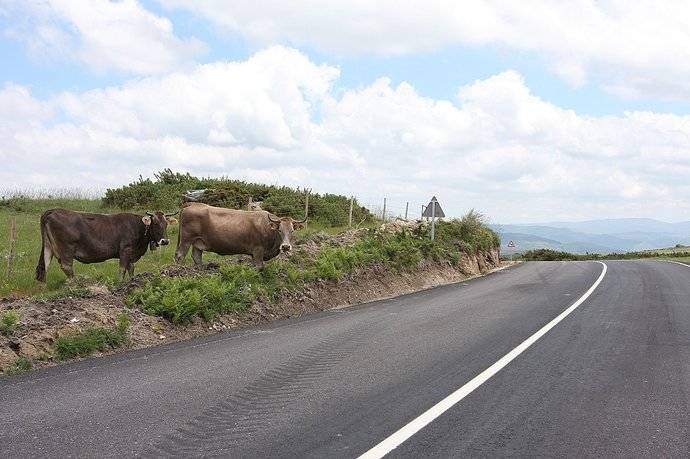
{"points": [[8, 322], [20, 365], [236, 286], [91, 340], [179, 299], [165, 192], [548, 255]]}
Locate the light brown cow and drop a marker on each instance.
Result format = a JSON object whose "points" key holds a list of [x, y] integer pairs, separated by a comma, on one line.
{"points": [[233, 232]]}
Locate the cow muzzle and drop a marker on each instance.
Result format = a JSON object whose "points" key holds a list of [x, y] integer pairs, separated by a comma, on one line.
{"points": [[164, 242], [285, 248]]}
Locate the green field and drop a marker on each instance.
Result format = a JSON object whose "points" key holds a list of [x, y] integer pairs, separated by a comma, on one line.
{"points": [[27, 213], [679, 253]]}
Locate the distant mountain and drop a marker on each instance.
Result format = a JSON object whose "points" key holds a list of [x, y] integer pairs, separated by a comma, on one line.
{"points": [[622, 225], [595, 236]]}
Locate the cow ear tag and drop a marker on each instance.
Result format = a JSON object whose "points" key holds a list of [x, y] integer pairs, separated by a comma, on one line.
{"points": [[146, 219]]}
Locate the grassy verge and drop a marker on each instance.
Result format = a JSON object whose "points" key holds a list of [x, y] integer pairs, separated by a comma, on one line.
{"points": [[21, 365], [9, 320], [235, 286], [328, 213], [554, 255], [92, 340]]}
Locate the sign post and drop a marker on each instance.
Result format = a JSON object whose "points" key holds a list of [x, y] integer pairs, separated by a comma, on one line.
{"points": [[433, 210]]}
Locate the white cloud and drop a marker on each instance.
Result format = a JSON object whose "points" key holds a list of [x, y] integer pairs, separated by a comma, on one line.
{"points": [[634, 48], [277, 118], [102, 34]]}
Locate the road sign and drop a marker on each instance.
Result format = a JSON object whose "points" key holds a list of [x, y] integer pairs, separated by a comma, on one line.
{"points": [[433, 209]]}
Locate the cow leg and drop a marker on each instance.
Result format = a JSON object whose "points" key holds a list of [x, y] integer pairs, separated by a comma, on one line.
{"points": [[66, 263], [258, 259], [196, 256], [47, 258], [181, 252], [126, 265]]}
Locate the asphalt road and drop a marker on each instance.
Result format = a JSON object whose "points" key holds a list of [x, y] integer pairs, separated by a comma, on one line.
{"points": [[612, 379]]}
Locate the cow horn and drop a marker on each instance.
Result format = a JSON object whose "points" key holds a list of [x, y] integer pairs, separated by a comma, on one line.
{"points": [[172, 214], [270, 217], [150, 214], [304, 220]]}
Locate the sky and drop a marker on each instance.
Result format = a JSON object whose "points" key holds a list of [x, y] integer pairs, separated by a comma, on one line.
{"points": [[526, 111]]}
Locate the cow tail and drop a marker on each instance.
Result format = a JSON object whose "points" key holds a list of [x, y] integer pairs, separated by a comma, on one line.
{"points": [[41, 267]]}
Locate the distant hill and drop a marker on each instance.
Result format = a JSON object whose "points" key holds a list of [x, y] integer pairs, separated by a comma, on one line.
{"points": [[595, 236]]}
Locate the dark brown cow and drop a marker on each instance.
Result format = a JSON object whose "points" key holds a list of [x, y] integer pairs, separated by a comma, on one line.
{"points": [[93, 238], [233, 232]]}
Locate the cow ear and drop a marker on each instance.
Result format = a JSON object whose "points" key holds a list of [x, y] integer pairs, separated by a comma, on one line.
{"points": [[171, 220], [274, 226], [298, 226], [146, 219]]}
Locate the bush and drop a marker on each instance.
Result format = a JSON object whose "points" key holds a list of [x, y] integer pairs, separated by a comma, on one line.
{"points": [[236, 286], [548, 255], [469, 233], [165, 192], [94, 339], [8, 322], [20, 365], [179, 299]]}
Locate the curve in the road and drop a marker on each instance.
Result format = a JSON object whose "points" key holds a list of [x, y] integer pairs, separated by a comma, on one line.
{"points": [[414, 426]]}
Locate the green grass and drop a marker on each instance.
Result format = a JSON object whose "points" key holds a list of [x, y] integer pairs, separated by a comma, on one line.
{"points": [[92, 340], [163, 193], [22, 280], [9, 320], [235, 287], [679, 259], [681, 254], [21, 365]]}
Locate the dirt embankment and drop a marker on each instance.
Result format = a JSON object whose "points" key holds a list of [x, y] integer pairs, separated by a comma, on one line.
{"points": [[41, 323]]}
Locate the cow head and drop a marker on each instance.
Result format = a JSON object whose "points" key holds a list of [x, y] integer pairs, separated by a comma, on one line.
{"points": [[157, 228], [285, 227]]}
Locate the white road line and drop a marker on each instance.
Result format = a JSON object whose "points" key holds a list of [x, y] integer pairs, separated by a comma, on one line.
{"points": [[417, 424], [678, 263]]}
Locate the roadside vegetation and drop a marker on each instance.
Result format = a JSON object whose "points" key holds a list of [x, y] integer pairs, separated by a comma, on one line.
{"points": [[94, 339], [327, 213], [676, 254], [64, 319], [236, 286], [20, 365], [9, 320]]}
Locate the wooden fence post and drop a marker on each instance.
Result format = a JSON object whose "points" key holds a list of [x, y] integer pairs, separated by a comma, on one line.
{"points": [[349, 220], [13, 247], [306, 206]]}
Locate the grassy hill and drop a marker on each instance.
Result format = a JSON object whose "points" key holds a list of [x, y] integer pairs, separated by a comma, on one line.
{"points": [[327, 212], [166, 190]]}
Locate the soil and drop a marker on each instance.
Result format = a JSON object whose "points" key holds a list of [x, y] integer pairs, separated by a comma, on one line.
{"points": [[41, 323]]}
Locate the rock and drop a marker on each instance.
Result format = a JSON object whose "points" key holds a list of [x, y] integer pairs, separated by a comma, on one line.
{"points": [[7, 358], [29, 350], [97, 290]]}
